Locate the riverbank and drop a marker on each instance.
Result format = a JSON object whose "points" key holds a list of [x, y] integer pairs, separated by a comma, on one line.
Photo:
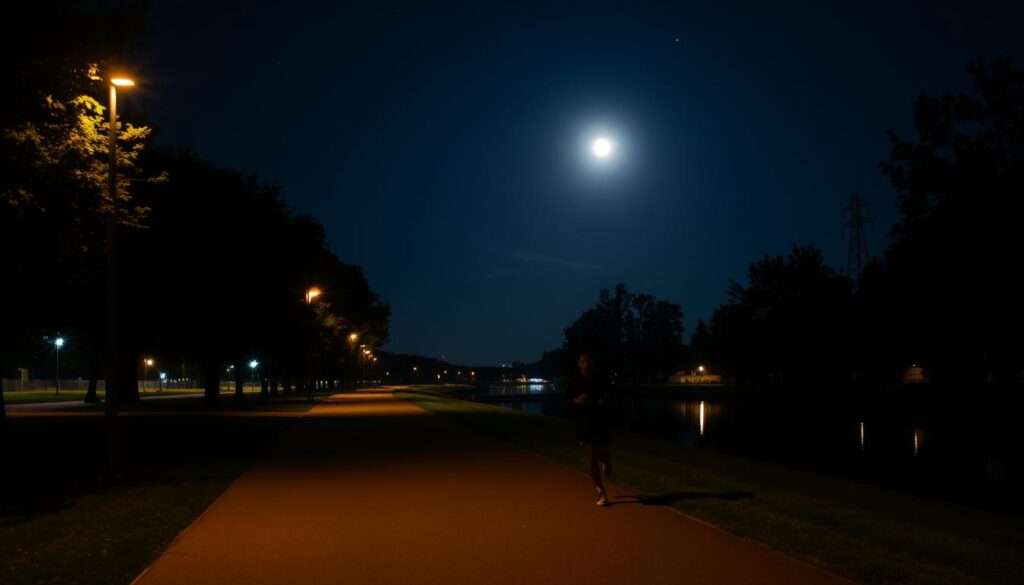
{"points": [[864, 532]]}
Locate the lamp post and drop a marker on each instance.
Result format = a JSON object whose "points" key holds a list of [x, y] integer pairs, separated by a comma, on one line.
{"points": [[352, 339], [58, 343], [113, 378], [311, 293], [253, 364], [145, 372]]}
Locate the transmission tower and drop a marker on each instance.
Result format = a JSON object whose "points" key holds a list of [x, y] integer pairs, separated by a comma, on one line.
{"points": [[855, 218]]}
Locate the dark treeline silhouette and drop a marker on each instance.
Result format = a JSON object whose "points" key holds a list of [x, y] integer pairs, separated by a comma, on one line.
{"points": [[946, 295], [400, 368], [632, 338], [213, 266]]}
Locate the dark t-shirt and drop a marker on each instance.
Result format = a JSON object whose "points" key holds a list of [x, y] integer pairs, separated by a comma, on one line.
{"points": [[591, 418], [595, 390]]}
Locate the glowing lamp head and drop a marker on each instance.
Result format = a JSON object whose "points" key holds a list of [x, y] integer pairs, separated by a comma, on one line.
{"points": [[253, 364], [313, 293], [122, 82], [59, 342], [601, 147], [149, 361]]}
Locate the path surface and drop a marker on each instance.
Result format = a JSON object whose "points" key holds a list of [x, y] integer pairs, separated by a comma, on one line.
{"points": [[368, 489]]}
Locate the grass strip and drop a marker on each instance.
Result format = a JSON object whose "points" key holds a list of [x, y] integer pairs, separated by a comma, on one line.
{"points": [[60, 522], [863, 532]]}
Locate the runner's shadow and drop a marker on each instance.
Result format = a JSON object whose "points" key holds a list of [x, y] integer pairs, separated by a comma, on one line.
{"points": [[673, 497]]}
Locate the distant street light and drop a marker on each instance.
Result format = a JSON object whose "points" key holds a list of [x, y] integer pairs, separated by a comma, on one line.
{"points": [[352, 339], [58, 343], [253, 364], [160, 384], [311, 293], [145, 372]]}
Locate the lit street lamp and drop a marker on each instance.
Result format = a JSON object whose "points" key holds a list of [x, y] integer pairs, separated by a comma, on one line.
{"points": [[145, 372], [253, 364], [58, 343], [352, 339], [113, 379], [311, 293]]}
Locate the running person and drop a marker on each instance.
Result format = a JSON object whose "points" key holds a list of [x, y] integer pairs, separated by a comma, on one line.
{"points": [[586, 398]]}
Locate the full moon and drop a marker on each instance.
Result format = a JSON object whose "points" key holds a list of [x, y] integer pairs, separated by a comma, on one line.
{"points": [[602, 147]]}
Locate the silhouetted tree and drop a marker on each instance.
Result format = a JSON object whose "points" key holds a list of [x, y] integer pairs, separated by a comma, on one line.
{"points": [[953, 262], [633, 337], [51, 203], [788, 324]]}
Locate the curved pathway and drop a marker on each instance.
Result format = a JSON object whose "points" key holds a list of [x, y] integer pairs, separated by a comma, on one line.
{"points": [[368, 489]]}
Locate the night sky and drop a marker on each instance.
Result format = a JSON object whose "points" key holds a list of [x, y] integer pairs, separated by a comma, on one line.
{"points": [[446, 150]]}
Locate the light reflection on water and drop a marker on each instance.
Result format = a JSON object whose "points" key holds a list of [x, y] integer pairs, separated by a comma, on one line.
{"points": [[937, 457], [514, 389]]}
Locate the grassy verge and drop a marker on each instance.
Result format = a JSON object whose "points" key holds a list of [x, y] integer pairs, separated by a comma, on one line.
{"points": [[60, 523], [866, 533]]}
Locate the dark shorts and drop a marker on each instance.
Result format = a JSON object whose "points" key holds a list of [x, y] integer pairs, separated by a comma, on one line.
{"points": [[592, 430]]}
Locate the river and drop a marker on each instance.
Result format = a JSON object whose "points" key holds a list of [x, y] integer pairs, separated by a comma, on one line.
{"points": [[969, 452]]}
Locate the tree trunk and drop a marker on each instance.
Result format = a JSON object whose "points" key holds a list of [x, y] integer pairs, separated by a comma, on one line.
{"points": [[264, 389], [90, 394], [239, 381], [94, 364], [211, 379], [3, 407], [273, 384]]}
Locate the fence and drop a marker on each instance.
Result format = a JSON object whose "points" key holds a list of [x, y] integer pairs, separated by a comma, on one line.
{"points": [[81, 384]]}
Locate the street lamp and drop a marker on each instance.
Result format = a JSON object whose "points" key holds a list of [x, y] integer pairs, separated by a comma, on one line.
{"points": [[160, 384], [113, 379], [58, 343], [311, 293], [145, 372], [253, 364]]}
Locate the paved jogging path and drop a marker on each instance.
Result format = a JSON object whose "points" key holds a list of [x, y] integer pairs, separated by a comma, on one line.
{"points": [[368, 489]]}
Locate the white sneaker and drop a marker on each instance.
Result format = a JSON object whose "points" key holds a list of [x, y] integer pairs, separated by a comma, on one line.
{"points": [[602, 500]]}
